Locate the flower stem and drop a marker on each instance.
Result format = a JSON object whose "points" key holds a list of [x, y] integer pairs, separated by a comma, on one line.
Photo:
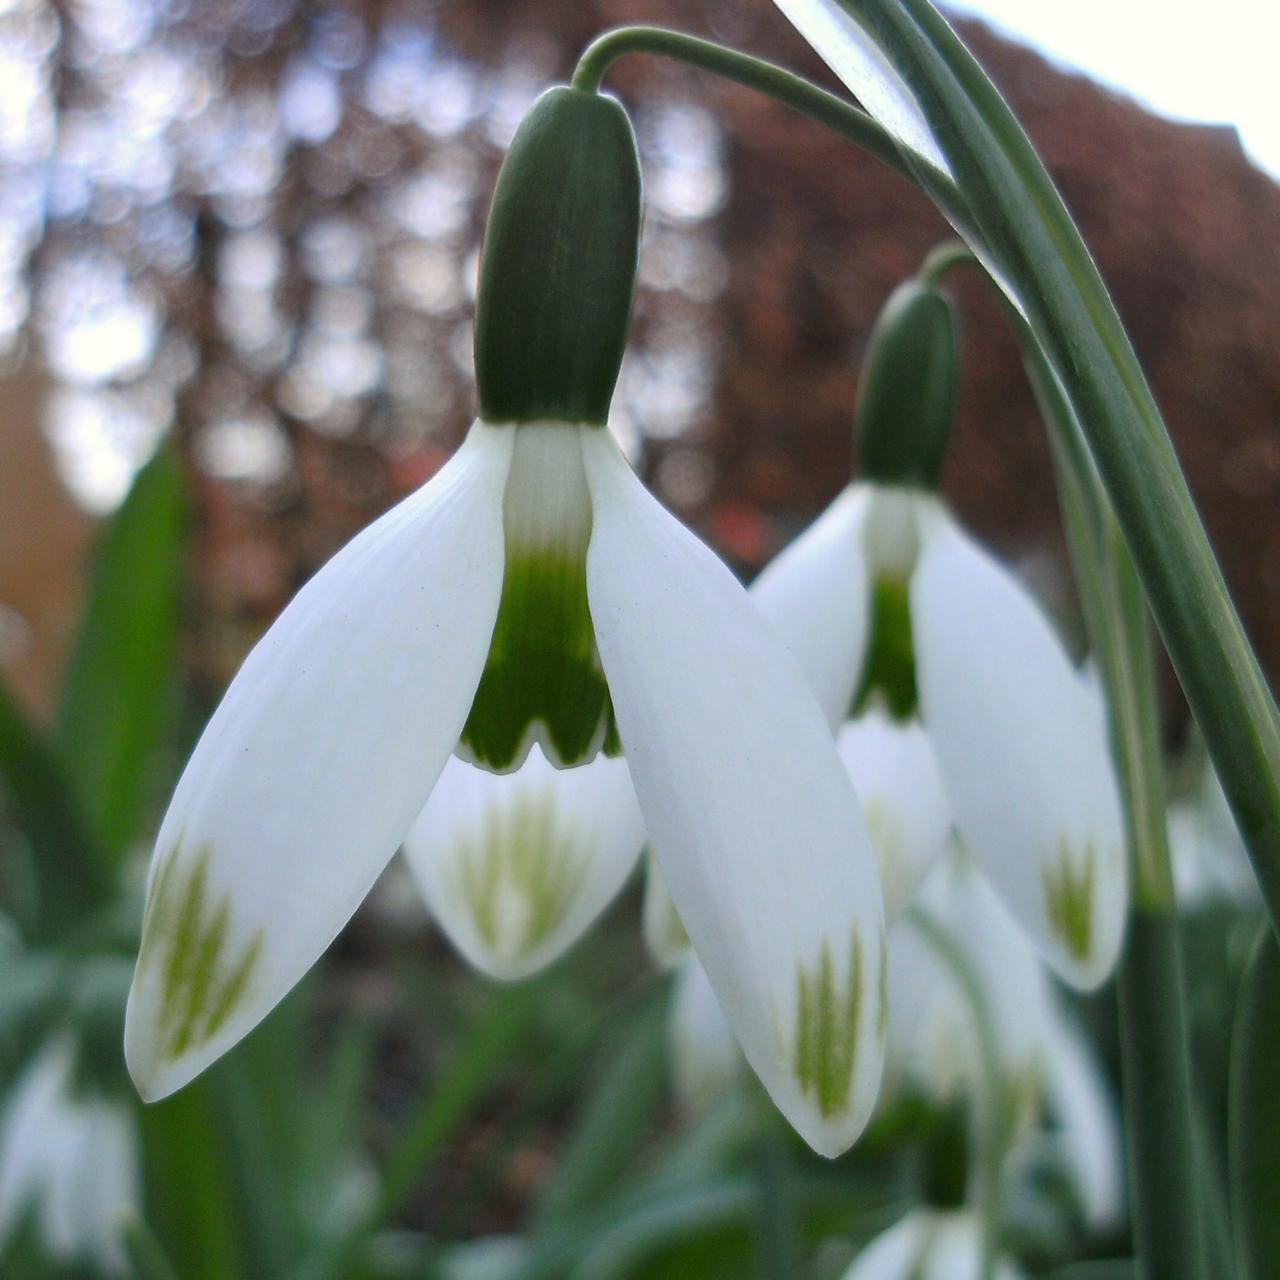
{"points": [[783, 86], [992, 1113], [1157, 1069]]}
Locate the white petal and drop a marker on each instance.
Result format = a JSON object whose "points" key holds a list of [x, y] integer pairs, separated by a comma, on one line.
{"points": [[705, 1058], [516, 866], [36, 1101], [847, 49], [750, 813], [898, 784], [815, 593], [664, 933], [1023, 754], [933, 1037], [314, 766], [928, 1244], [1088, 1120]]}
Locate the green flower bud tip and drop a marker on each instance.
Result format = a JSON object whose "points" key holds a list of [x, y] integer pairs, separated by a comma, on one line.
{"points": [[906, 400], [559, 267]]}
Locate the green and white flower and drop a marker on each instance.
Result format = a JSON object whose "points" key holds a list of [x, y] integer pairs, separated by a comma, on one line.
{"points": [[69, 1157], [532, 593], [973, 665]]}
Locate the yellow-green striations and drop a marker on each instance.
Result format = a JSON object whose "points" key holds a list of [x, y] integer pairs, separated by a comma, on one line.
{"points": [[185, 938], [826, 1032], [520, 874], [1068, 894]]}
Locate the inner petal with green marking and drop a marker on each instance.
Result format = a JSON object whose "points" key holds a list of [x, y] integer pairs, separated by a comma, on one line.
{"points": [[186, 936], [543, 681], [519, 875]]}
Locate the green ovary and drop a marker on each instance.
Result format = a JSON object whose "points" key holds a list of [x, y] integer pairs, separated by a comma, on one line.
{"points": [[1068, 894], [185, 936], [543, 678], [826, 1035], [520, 875]]}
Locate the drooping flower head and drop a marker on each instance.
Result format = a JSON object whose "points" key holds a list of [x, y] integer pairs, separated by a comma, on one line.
{"points": [[903, 620], [531, 596]]}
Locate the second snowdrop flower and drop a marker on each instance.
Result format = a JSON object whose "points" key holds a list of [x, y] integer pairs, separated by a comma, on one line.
{"points": [[886, 596]]}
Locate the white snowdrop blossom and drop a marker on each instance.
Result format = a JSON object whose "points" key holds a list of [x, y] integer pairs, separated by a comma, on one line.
{"points": [[929, 1244], [70, 1158], [1057, 1096], [533, 593], [1019, 755]]}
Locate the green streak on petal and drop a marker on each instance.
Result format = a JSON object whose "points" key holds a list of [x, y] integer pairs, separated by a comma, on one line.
{"points": [[891, 663], [1068, 893], [543, 677], [185, 935], [521, 875], [826, 1036]]}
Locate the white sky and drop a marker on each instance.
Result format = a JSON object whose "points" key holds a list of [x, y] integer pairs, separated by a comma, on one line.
{"points": [[1213, 62]]}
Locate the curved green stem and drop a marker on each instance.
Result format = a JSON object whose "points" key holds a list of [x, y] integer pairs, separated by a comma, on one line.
{"points": [[992, 1113], [775, 82]]}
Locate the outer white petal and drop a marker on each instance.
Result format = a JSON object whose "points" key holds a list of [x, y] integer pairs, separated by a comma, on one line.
{"points": [[314, 766], [751, 815], [928, 1244], [1088, 1120], [932, 1031], [664, 933], [1022, 752], [900, 789], [516, 866], [816, 594], [705, 1058]]}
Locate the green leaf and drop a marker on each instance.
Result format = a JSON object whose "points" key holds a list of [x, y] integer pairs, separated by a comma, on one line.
{"points": [[616, 1116], [68, 867], [147, 1258], [1255, 1114], [119, 686], [190, 1200]]}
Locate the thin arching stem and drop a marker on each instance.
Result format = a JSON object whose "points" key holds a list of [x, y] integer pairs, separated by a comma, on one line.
{"points": [[775, 82]]}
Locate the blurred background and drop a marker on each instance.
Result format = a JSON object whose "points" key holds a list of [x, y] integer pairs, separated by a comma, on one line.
{"points": [[251, 228]]}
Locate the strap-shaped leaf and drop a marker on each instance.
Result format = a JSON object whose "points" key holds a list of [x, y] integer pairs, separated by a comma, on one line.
{"points": [[1255, 1114], [120, 681]]}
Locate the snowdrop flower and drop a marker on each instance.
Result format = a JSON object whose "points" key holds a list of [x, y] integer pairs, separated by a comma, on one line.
{"points": [[531, 593], [933, 1044], [929, 1244], [71, 1159], [886, 593], [1045, 1062]]}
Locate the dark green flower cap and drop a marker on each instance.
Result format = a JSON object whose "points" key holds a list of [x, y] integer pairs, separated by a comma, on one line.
{"points": [[559, 267], [907, 396]]}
